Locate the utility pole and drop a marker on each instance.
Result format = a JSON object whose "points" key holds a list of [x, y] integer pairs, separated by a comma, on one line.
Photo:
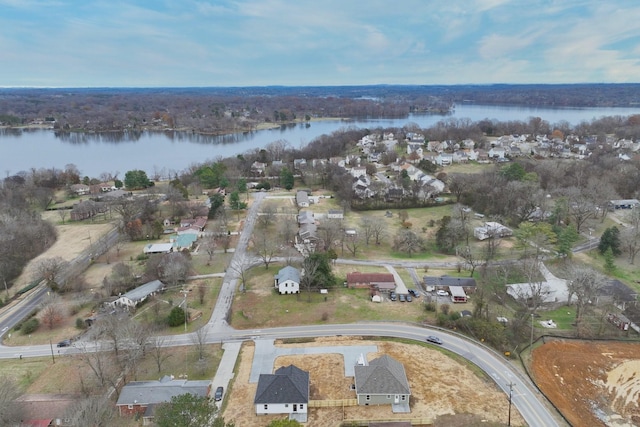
{"points": [[531, 343], [511, 385], [185, 292], [52, 356]]}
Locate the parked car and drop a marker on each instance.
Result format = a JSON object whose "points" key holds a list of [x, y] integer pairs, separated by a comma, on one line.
{"points": [[392, 296], [409, 299], [443, 293], [64, 343], [414, 293], [402, 297], [434, 340], [218, 395]]}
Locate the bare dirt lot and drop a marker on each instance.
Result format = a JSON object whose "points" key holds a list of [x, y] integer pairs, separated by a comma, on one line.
{"points": [[592, 383], [440, 387]]}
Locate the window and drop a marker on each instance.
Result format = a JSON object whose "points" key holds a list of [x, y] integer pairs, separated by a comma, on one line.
{"points": [[301, 406], [404, 397], [266, 407], [368, 397], [286, 405], [388, 396], [130, 406]]}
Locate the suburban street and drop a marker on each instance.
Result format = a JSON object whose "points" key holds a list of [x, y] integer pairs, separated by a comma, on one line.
{"points": [[524, 394]]}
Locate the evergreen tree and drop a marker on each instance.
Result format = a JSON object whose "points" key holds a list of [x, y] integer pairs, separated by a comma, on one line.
{"points": [[217, 201], [286, 178], [609, 261], [610, 240], [136, 179], [176, 316], [235, 203], [566, 239]]}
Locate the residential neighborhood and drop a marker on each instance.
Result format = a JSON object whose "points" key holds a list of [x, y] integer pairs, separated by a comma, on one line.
{"points": [[359, 239]]}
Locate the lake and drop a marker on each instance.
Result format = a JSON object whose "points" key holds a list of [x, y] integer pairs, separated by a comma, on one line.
{"points": [[174, 152]]}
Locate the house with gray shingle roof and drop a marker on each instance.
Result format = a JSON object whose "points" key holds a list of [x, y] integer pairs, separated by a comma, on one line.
{"points": [[141, 397], [135, 296], [287, 281], [284, 392], [383, 382]]}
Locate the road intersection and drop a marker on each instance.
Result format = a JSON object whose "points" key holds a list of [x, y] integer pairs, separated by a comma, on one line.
{"points": [[524, 394]]}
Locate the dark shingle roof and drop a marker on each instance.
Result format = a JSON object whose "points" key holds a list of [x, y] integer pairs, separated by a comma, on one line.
{"points": [[288, 385], [383, 375], [450, 281], [149, 392]]}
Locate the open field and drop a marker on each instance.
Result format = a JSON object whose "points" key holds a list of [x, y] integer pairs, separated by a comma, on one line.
{"points": [[430, 372], [592, 383]]}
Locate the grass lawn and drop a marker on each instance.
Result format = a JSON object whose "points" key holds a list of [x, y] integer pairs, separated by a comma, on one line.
{"points": [[563, 317], [42, 375], [261, 306], [156, 311]]}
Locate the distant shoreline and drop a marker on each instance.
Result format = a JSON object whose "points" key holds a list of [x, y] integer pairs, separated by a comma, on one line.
{"points": [[258, 127]]}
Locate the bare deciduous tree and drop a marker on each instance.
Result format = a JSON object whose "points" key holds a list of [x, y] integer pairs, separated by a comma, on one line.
{"points": [[49, 269], [265, 246], [158, 351], [10, 413], [266, 217], [62, 213], [408, 242], [94, 411], [209, 244], [52, 311], [331, 231], [201, 287], [199, 339], [309, 267], [583, 283], [352, 242]]}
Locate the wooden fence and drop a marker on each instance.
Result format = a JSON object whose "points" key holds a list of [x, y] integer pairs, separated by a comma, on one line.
{"points": [[332, 403], [365, 423]]}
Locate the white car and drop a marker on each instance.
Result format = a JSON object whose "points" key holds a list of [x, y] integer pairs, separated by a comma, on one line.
{"points": [[443, 293]]}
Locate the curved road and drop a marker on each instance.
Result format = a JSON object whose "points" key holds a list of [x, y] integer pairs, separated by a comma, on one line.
{"points": [[524, 396]]}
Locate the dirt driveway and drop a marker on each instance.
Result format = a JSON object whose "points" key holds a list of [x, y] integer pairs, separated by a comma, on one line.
{"points": [[592, 383], [439, 384]]}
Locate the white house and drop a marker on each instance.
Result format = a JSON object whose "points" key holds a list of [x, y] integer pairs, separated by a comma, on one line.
{"points": [[158, 248], [491, 229], [444, 159], [284, 392], [287, 281], [335, 214], [497, 153], [134, 297], [358, 171], [302, 199]]}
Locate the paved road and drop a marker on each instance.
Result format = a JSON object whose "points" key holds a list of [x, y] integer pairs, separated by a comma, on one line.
{"points": [[525, 397], [528, 402]]}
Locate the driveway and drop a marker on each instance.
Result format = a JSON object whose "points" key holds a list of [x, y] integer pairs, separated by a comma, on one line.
{"points": [[266, 353], [553, 289]]}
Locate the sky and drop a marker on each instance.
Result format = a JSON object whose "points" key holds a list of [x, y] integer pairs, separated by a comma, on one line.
{"points": [[194, 43]]}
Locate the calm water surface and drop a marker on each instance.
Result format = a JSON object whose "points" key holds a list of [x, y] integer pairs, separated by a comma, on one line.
{"points": [[174, 152]]}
